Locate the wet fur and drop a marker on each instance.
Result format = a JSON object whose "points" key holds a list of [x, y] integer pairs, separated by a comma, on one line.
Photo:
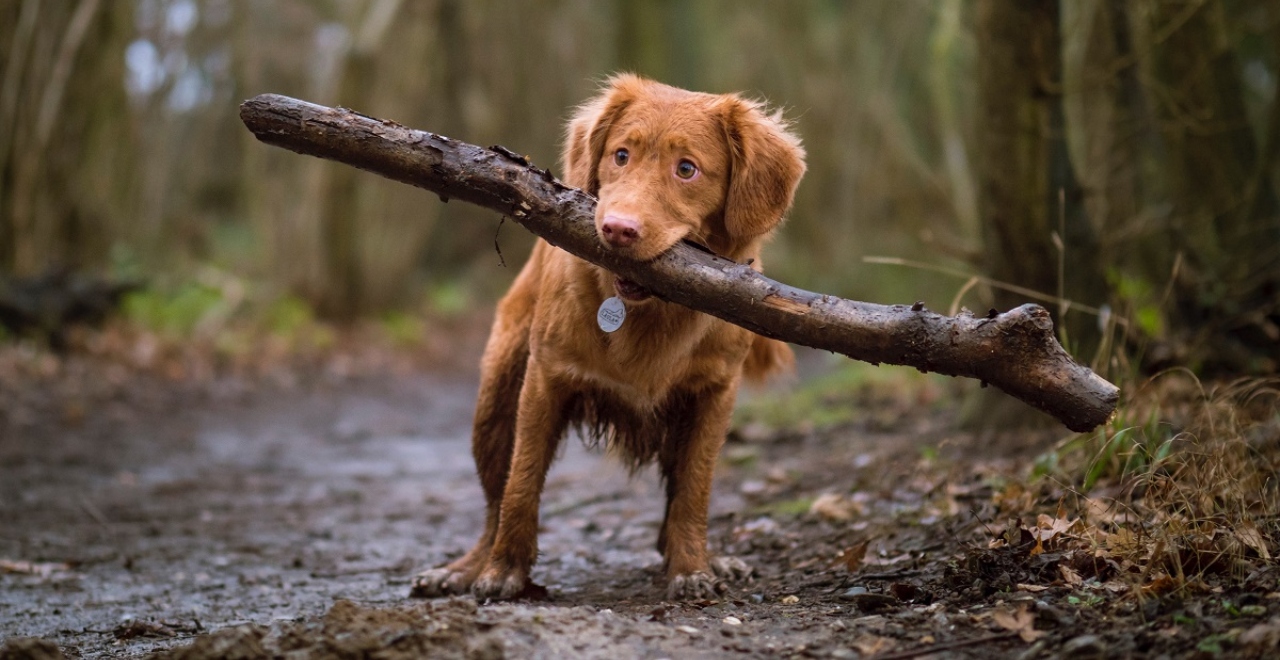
{"points": [[659, 389]]}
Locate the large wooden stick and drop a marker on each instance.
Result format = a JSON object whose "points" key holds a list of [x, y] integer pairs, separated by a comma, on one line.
{"points": [[1016, 351]]}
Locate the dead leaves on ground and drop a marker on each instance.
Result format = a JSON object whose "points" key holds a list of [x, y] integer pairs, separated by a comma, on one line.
{"points": [[1149, 553], [1021, 621]]}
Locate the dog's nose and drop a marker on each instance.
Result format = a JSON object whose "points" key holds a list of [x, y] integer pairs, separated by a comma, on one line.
{"points": [[619, 231]]}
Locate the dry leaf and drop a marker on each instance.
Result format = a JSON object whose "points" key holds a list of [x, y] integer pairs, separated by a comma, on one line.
{"points": [[1032, 588], [1021, 621], [835, 507], [1047, 528], [1263, 636], [1249, 535], [1160, 586], [872, 644], [853, 557], [1123, 541], [42, 569], [1069, 575]]}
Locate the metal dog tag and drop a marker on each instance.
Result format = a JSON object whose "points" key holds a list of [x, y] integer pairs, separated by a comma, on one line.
{"points": [[611, 314]]}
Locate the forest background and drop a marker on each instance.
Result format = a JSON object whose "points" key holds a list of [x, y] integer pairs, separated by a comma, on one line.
{"points": [[1115, 161]]}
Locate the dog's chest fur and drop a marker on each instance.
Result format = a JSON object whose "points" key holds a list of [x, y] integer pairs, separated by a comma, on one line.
{"points": [[635, 388]]}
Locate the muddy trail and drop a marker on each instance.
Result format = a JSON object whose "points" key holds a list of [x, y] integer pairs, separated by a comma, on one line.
{"points": [[230, 520]]}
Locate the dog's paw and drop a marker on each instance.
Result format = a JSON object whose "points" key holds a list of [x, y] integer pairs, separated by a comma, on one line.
{"points": [[439, 582], [695, 586], [732, 569], [510, 584]]}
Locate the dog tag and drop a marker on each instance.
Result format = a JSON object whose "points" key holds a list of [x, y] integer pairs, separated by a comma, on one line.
{"points": [[611, 314]]}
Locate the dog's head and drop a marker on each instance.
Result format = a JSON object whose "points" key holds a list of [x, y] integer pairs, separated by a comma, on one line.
{"points": [[667, 164]]}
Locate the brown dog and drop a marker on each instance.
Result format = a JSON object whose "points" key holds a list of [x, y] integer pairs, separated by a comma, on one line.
{"points": [[666, 165]]}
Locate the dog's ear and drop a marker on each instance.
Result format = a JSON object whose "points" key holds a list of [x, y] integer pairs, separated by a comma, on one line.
{"points": [[766, 161], [589, 130]]}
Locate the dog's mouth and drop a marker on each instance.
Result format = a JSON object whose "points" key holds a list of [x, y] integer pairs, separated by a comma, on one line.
{"points": [[628, 290]]}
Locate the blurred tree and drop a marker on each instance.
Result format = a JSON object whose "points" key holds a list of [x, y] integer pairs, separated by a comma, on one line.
{"points": [[665, 40], [66, 173], [118, 142], [1030, 204], [1224, 226], [1035, 232], [342, 294]]}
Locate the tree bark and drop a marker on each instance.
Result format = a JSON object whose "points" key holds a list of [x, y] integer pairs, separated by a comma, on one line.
{"points": [[1015, 351], [1225, 218], [1028, 191]]}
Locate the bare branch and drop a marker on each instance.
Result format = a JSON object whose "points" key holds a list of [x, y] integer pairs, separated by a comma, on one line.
{"points": [[1016, 351]]}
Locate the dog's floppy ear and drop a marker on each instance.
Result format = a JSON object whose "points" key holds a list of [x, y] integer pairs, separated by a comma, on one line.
{"points": [[766, 162], [589, 129]]}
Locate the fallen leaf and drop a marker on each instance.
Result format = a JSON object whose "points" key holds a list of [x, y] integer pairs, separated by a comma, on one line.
{"points": [[853, 556], [1123, 541], [1160, 586], [833, 506], [872, 644], [790, 600], [1032, 588], [1069, 576], [42, 569], [1249, 535], [1048, 529], [1262, 636], [1021, 621]]}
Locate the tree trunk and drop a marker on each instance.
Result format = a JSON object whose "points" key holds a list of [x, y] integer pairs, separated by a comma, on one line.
{"points": [[1015, 351], [1225, 221], [1035, 233], [64, 169], [1034, 228]]}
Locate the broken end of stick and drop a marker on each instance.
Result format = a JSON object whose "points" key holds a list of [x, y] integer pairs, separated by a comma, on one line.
{"points": [[1052, 382]]}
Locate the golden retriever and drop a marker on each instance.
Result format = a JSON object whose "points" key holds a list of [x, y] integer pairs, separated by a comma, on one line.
{"points": [[666, 165]]}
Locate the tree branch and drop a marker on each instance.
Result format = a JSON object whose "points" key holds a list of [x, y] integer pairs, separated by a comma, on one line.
{"points": [[1016, 351]]}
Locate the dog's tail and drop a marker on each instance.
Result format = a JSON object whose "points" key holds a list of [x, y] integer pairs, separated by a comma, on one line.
{"points": [[768, 357]]}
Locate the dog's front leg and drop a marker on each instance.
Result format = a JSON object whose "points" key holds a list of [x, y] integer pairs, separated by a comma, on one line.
{"points": [[688, 465], [540, 424]]}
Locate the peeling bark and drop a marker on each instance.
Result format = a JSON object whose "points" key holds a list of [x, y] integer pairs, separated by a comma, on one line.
{"points": [[1016, 351]]}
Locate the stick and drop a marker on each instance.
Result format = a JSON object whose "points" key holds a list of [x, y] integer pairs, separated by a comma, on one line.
{"points": [[1015, 351]]}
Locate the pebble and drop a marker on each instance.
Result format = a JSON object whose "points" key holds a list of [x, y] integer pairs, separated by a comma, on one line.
{"points": [[688, 629], [790, 600], [1083, 646], [732, 621]]}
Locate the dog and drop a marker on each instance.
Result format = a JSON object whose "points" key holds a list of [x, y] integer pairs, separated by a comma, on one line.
{"points": [[666, 165]]}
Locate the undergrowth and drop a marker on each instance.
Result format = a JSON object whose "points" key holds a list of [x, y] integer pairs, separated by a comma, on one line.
{"points": [[1182, 484], [215, 323]]}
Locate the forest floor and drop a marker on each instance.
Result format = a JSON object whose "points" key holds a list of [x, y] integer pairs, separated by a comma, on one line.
{"points": [[156, 512]]}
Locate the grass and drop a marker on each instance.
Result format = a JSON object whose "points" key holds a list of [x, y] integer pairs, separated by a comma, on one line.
{"points": [[1179, 489], [1192, 467]]}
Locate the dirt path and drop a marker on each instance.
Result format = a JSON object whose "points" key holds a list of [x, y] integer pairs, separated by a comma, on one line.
{"points": [[292, 519]]}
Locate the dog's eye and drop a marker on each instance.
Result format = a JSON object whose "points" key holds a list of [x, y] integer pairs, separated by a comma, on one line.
{"points": [[686, 169], [621, 156]]}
